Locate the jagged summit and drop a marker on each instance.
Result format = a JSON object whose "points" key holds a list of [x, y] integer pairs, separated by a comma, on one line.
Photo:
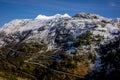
{"points": [[87, 16]]}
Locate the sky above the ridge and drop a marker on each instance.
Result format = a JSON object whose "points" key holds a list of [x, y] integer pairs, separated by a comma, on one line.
{"points": [[21, 9]]}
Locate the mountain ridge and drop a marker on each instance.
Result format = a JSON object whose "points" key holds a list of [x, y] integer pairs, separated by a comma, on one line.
{"points": [[98, 26]]}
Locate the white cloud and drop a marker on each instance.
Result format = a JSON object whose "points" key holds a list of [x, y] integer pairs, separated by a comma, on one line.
{"points": [[112, 4]]}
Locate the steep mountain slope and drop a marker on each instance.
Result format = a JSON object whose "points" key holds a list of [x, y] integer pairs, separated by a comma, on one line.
{"points": [[76, 39]]}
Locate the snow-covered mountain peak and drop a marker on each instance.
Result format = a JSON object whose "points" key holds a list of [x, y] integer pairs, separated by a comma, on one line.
{"points": [[62, 28], [88, 37], [44, 17]]}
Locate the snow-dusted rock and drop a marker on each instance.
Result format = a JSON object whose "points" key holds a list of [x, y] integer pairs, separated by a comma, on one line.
{"points": [[59, 30]]}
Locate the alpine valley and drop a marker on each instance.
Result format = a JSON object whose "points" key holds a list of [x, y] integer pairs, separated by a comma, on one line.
{"points": [[60, 47]]}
